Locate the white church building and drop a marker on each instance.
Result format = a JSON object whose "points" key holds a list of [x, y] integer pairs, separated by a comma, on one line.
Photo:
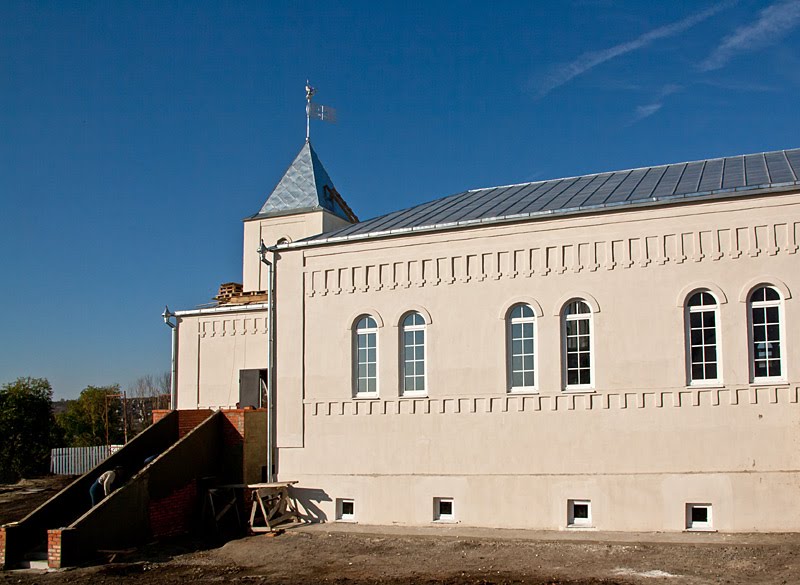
{"points": [[617, 351]]}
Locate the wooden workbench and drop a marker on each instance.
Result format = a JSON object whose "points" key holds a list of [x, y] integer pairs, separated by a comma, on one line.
{"points": [[275, 504]]}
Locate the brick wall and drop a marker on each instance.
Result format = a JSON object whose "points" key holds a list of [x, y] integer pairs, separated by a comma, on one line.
{"points": [[233, 432], [189, 419], [159, 414], [173, 514]]}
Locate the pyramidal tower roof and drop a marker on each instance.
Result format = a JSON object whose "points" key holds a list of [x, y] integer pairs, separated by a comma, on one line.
{"points": [[305, 186]]}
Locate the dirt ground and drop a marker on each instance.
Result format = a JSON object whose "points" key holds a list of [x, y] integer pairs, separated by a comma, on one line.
{"points": [[340, 554], [17, 500]]}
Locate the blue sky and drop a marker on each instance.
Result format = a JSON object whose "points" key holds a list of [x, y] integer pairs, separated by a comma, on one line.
{"points": [[134, 137]]}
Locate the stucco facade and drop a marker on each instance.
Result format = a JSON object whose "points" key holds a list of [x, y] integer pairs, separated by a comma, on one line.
{"points": [[213, 348], [633, 447]]}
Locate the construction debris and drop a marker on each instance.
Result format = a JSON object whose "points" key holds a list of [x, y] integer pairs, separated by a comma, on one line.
{"points": [[231, 293]]}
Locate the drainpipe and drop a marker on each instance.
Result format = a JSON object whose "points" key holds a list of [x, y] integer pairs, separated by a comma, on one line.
{"points": [[271, 418], [173, 378]]}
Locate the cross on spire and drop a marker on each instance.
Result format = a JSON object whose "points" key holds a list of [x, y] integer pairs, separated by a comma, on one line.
{"points": [[324, 113], [310, 91]]}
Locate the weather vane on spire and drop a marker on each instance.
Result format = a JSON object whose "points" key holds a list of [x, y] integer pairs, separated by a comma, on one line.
{"points": [[324, 113]]}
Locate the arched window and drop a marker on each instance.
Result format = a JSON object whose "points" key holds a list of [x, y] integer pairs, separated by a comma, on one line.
{"points": [[413, 355], [702, 314], [365, 374], [521, 347], [765, 321], [578, 345]]}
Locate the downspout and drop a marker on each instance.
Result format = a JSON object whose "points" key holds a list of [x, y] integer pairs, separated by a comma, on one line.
{"points": [[271, 418], [173, 378]]}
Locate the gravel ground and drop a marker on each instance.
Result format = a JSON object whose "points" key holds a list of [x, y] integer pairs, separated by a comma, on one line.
{"points": [[314, 555], [351, 554], [18, 499]]}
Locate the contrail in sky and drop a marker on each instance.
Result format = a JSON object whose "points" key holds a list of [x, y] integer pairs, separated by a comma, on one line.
{"points": [[592, 59], [774, 22], [647, 110]]}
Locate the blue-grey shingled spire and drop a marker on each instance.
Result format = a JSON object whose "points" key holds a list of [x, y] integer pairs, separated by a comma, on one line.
{"points": [[305, 186]]}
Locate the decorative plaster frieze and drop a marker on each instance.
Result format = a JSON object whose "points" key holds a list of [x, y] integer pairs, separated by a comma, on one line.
{"points": [[543, 403], [641, 251], [231, 326]]}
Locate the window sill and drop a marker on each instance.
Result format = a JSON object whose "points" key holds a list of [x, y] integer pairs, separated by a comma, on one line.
{"points": [[579, 390], [768, 381], [411, 395], [347, 520], [706, 385], [528, 390], [700, 530], [366, 397], [581, 527], [446, 521]]}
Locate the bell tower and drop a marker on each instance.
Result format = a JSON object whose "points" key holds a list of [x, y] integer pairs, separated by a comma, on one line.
{"points": [[304, 203]]}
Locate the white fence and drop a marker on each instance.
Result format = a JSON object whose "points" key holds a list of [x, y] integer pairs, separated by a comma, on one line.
{"points": [[79, 460]]}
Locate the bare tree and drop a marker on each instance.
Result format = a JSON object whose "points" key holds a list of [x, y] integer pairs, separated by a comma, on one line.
{"points": [[147, 393], [164, 384]]}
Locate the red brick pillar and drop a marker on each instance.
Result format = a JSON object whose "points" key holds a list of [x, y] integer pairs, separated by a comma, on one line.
{"points": [[60, 548], [3, 548]]}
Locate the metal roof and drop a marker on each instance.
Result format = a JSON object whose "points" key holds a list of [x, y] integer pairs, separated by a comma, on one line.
{"points": [[305, 186], [729, 177]]}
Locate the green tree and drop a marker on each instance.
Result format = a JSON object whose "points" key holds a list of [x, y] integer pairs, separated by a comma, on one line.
{"points": [[95, 415], [27, 429]]}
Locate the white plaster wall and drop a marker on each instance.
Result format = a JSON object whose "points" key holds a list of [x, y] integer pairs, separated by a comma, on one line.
{"points": [[271, 230], [514, 461], [641, 445], [212, 348], [638, 280], [753, 502]]}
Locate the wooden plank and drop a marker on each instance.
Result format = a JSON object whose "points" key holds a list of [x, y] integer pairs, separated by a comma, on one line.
{"points": [[277, 484]]}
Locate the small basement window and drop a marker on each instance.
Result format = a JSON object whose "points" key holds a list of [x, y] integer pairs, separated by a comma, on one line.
{"points": [[698, 517], [345, 510], [579, 513], [443, 510]]}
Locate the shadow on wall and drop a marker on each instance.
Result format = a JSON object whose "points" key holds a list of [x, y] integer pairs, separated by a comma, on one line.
{"points": [[307, 500]]}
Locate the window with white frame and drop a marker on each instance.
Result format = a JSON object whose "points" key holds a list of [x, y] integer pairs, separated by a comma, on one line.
{"points": [[703, 317], [521, 347], [366, 358], [413, 355], [765, 320], [443, 510], [698, 517], [579, 513], [578, 344], [345, 510]]}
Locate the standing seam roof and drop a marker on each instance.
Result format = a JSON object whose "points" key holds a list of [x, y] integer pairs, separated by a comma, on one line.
{"points": [[734, 176]]}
